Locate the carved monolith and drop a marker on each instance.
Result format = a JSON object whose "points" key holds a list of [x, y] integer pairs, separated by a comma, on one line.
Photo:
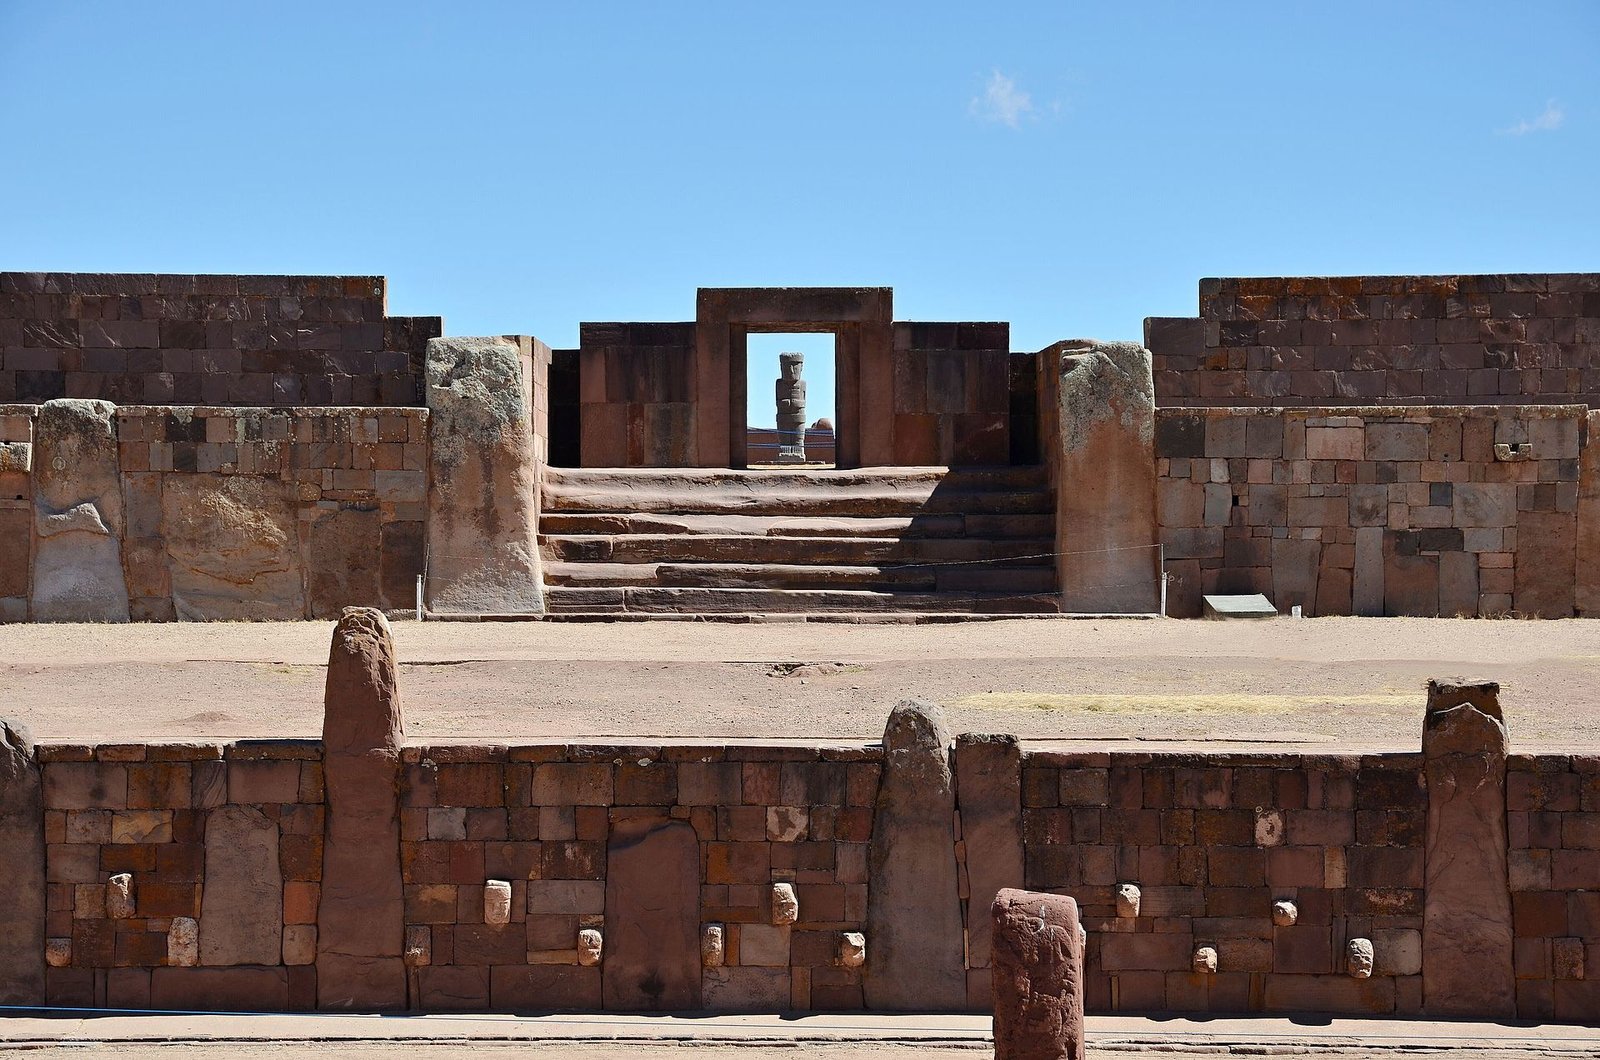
{"points": [[22, 899], [916, 960], [360, 921], [483, 488], [1038, 977], [791, 390], [989, 793], [1466, 926]]}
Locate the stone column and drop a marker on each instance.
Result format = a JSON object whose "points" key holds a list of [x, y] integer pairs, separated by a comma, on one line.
{"points": [[989, 793], [1466, 920], [1097, 416], [22, 898], [915, 958], [1038, 977], [791, 390], [1587, 592], [483, 483], [78, 520], [361, 917]]}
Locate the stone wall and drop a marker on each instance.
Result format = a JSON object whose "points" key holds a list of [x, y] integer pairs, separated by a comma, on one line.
{"points": [[1373, 340], [207, 340], [952, 397], [636, 394], [1468, 510], [740, 878], [214, 513]]}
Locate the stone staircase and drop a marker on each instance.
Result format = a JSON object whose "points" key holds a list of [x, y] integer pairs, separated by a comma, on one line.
{"points": [[693, 541]]}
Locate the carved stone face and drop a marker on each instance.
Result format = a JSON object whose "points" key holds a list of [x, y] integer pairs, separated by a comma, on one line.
{"points": [[792, 365]]}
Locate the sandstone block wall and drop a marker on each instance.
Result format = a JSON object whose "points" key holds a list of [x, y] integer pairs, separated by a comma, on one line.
{"points": [[636, 400], [952, 399], [16, 508], [207, 340], [1370, 340], [1468, 510]]}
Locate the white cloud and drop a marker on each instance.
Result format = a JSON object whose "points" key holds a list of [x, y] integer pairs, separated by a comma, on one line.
{"points": [[1002, 102], [1548, 121]]}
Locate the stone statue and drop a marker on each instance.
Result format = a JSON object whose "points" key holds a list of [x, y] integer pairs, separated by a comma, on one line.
{"points": [[791, 392]]}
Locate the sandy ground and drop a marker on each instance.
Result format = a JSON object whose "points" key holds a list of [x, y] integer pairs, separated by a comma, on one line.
{"points": [[1329, 684], [704, 1051]]}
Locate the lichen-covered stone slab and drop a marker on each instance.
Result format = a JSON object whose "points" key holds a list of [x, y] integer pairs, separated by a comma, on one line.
{"points": [[483, 494]]}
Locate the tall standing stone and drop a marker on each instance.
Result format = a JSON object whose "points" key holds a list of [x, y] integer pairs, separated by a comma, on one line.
{"points": [[1587, 591], [915, 958], [1038, 977], [652, 941], [791, 393], [989, 793], [361, 921], [78, 515], [22, 898], [1098, 414], [1466, 922], [483, 490]]}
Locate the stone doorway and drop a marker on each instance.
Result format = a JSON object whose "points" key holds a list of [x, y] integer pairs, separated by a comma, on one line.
{"points": [[790, 411]]}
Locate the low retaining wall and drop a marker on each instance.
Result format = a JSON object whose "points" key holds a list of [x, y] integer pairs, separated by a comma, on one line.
{"points": [[762, 878], [1431, 510]]}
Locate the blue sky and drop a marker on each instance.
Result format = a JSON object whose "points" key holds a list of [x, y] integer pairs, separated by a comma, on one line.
{"points": [[1069, 167]]}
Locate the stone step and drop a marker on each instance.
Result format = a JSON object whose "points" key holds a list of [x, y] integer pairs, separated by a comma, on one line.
{"points": [[970, 525], [678, 600], [921, 577], [873, 492], [709, 548]]}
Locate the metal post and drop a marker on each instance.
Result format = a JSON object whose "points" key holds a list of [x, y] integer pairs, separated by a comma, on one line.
{"points": [[1161, 553], [419, 598]]}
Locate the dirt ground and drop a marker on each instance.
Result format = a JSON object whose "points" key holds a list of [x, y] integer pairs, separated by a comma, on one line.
{"points": [[1334, 684]]}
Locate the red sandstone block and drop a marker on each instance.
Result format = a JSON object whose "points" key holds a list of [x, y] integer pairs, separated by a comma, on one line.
{"points": [[651, 784], [1084, 787], [1539, 913], [136, 948], [1224, 827], [761, 781], [300, 857], [572, 784], [710, 783], [544, 987], [471, 784], [1041, 788], [128, 857], [1542, 791], [738, 862], [572, 861], [300, 900], [1574, 869], [1581, 831], [83, 786], [1145, 952], [252, 782], [158, 899], [1320, 827], [162, 785], [180, 861], [1236, 866]]}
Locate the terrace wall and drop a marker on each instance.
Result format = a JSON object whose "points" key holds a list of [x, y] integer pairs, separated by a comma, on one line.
{"points": [[1469, 510], [208, 340], [1380, 340]]}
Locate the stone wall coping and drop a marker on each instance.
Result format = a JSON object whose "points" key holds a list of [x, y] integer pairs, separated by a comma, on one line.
{"points": [[1387, 412]]}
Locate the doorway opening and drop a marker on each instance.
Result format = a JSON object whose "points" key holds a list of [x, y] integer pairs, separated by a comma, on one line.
{"points": [[791, 404]]}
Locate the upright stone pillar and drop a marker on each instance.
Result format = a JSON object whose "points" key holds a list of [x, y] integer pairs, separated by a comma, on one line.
{"points": [[483, 483], [1466, 920], [78, 518], [1586, 596], [791, 409], [361, 918], [1038, 977], [22, 898], [914, 944], [1098, 418], [989, 793]]}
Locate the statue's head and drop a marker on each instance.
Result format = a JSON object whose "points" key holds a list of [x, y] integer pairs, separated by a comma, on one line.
{"points": [[791, 364]]}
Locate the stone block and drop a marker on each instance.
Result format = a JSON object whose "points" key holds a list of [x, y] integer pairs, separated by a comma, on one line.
{"points": [[78, 515], [652, 905], [22, 851], [1037, 959], [988, 787], [1546, 564], [242, 910], [232, 547]]}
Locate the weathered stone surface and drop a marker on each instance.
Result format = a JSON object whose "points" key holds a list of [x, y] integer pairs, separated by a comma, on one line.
{"points": [[1587, 593], [241, 910], [497, 902], [785, 904], [591, 944], [120, 903], [57, 953], [916, 961], [1467, 930], [419, 946], [1038, 977], [78, 520], [1098, 419], [361, 919], [852, 950], [1285, 913], [1128, 898], [653, 943], [183, 942], [989, 793], [232, 547], [343, 561], [1358, 958], [1204, 960], [483, 500], [1546, 558], [22, 899], [713, 945]]}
